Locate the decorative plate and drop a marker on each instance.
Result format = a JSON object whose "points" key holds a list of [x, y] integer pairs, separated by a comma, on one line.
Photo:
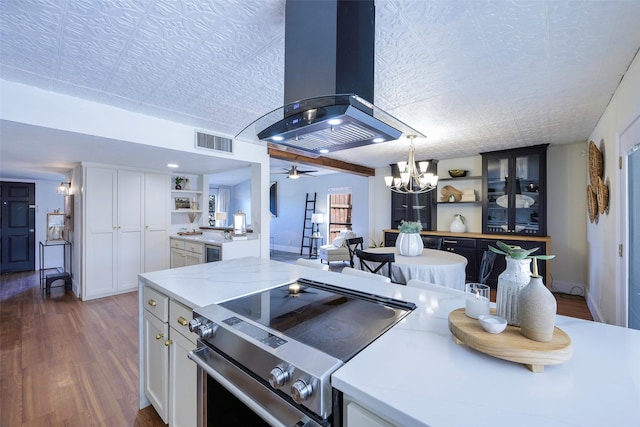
{"points": [[521, 201], [602, 194], [592, 203]]}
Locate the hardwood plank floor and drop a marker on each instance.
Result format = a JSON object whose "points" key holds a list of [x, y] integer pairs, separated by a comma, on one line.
{"points": [[64, 362]]}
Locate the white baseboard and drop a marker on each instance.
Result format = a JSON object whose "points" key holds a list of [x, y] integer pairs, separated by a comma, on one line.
{"points": [[593, 308]]}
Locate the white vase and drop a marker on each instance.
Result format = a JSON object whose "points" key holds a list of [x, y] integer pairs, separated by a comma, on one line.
{"points": [[537, 311], [458, 225], [510, 282], [409, 244]]}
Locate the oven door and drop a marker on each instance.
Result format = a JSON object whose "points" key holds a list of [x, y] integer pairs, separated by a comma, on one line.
{"points": [[228, 396]]}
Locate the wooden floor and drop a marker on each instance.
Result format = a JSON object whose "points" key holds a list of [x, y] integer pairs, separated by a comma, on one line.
{"points": [[64, 362]]}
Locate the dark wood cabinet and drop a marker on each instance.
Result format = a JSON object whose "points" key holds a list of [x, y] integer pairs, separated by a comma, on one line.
{"points": [[514, 185], [467, 248], [415, 207]]}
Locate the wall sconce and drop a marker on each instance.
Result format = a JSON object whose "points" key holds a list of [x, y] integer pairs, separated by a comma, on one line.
{"points": [[64, 188]]}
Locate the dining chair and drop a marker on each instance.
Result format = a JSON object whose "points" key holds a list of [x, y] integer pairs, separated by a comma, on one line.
{"points": [[360, 273], [373, 262], [432, 242], [312, 264], [486, 266], [415, 283], [352, 245]]}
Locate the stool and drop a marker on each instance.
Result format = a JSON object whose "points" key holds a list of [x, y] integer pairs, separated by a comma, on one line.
{"points": [[50, 278]]}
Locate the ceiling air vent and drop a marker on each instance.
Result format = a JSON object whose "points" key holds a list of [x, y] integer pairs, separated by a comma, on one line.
{"points": [[214, 142]]}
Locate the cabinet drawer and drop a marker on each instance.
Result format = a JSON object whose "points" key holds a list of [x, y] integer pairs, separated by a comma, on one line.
{"points": [[156, 303], [457, 242], [196, 248], [179, 316], [177, 244]]}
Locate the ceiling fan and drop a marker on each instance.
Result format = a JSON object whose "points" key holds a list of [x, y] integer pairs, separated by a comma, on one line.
{"points": [[294, 173]]}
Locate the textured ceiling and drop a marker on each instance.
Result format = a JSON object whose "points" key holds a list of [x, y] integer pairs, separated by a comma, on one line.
{"points": [[471, 75]]}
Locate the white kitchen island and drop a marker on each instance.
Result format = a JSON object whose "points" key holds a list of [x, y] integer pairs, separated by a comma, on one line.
{"points": [[415, 374]]}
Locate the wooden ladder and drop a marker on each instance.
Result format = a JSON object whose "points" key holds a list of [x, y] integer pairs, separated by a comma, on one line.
{"points": [[307, 225]]}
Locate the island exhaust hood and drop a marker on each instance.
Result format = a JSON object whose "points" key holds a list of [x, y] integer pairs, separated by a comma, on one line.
{"points": [[328, 88]]}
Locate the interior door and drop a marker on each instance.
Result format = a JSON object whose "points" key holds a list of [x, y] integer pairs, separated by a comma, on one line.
{"points": [[629, 231], [634, 237], [17, 218]]}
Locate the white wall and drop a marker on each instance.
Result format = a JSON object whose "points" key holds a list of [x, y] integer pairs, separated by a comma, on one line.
{"points": [[604, 270], [286, 228], [39, 107], [47, 200], [566, 221]]}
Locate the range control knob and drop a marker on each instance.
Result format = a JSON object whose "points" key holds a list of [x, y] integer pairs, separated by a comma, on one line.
{"points": [[301, 390], [279, 377], [194, 323], [206, 330]]}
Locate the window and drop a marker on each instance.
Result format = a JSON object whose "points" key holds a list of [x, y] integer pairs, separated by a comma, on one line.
{"points": [[340, 207], [212, 210]]}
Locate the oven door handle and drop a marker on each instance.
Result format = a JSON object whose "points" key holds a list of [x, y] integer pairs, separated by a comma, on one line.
{"points": [[204, 357]]}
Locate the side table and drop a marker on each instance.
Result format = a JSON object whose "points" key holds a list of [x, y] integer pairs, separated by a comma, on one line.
{"points": [[47, 279]]}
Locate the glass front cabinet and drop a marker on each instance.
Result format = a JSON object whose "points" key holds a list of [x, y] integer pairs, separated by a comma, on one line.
{"points": [[515, 183]]}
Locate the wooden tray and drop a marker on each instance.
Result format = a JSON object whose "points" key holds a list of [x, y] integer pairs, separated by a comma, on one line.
{"points": [[188, 233], [510, 345]]}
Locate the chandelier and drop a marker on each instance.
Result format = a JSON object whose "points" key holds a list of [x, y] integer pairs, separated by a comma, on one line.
{"points": [[414, 178]]}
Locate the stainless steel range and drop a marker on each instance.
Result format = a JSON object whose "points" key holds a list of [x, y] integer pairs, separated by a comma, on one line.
{"points": [[272, 353]]}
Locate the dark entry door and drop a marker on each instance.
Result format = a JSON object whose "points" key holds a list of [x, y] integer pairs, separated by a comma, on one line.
{"points": [[17, 218]]}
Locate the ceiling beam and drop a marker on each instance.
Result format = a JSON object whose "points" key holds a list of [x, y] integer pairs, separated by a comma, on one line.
{"points": [[325, 162]]}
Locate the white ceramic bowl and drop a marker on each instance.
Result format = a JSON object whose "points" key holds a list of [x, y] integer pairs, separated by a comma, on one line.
{"points": [[492, 324]]}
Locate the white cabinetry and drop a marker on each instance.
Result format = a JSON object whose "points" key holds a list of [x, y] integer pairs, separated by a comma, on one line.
{"points": [[170, 377], [182, 371], [126, 228], [156, 350], [185, 253], [156, 221], [113, 239], [356, 415]]}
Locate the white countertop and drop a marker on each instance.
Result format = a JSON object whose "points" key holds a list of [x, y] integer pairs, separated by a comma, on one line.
{"points": [[415, 374], [212, 237]]}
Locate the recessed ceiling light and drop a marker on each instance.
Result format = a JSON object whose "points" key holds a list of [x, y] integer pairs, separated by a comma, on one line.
{"points": [[172, 165], [376, 140], [324, 151], [277, 138], [334, 122]]}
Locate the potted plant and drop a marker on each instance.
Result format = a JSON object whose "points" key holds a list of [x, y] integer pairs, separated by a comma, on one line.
{"points": [[178, 182], [511, 281], [409, 242]]}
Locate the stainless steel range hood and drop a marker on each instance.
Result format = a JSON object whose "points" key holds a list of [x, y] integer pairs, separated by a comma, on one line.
{"points": [[329, 71]]}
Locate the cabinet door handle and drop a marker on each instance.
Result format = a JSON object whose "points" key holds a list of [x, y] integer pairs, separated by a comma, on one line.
{"points": [[182, 321], [159, 336], [453, 242], [152, 302], [168, 343]]}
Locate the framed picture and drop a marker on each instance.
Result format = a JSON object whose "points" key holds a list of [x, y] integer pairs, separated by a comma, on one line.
{"points": [[182, 203], [55, 226], [273, 198]]}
